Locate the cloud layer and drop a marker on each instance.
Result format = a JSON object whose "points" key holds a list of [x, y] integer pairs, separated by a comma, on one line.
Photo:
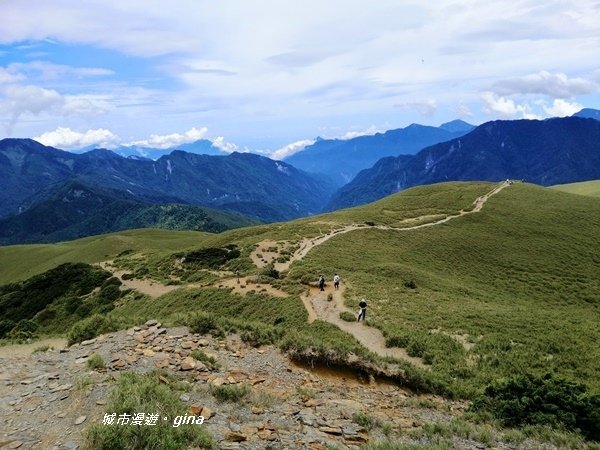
{"points": [[264, 73]]}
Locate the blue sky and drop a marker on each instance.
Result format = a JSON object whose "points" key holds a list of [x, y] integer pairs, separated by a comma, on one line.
{"points": [[270, 76]]}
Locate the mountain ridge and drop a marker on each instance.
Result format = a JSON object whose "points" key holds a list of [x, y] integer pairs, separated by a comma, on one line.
{"points": [[546, 152]]}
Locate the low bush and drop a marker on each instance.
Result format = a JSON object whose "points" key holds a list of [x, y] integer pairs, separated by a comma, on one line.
{"points": [[203, 323], [209, 361], [347, 316], [96, 362], [230, 392], [547, 400], [135, 394], [90, 327]]}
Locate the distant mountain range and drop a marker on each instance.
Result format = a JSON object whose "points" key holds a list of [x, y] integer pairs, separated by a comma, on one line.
{"points": [[341, 160], [47, 194], [547, 152], [72, 210], [31, 175], [200, 147]]}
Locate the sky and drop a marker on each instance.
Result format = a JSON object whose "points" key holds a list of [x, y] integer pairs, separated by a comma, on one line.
{"points": [[271, 75]]}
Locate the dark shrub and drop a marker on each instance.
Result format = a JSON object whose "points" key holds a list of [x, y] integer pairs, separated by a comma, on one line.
{"points": [[533, 400]]}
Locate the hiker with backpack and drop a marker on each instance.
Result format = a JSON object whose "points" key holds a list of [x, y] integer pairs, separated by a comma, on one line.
{"points": [[362, 312], [322, 282], [336, 281]]}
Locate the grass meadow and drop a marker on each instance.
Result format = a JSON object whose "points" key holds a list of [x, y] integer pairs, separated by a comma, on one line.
{"points": [[514, 288], [590, 188]]}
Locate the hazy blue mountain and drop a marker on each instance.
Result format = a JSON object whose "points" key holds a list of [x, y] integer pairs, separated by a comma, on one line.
{"points": [[547, 152], [72, 210], [588, 113], [27, 167], [246, 183], [457, 126], [341, 160], [200, 147]]}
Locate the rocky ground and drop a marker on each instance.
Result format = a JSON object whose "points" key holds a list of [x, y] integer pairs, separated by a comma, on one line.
{"points": [[48, 399]]}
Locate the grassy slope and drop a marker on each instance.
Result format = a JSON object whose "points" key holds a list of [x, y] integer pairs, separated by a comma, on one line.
{"points": [[590, 188], [520, 277], [19, 262]]}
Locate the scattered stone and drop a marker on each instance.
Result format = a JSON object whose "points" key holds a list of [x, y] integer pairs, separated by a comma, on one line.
{"points": [[89, 342], [235, 437], [151, 323], [331, 430], [207, 413], [15, 444], [184, 397], [80, 420], [188, 363]]}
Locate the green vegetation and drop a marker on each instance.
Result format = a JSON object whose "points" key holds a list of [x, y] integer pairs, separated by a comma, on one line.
{"points": [[146, 393], [365, 420], [493, 285], [91, 327], [41, 349], [347, 316], [590, 188], [53, 301], [96, 362], [20, 262], [508, 291], [209, 361], [234, 393], [550, 401]]}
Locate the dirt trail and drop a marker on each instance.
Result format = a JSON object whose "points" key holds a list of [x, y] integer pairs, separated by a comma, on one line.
{"points": [[146, 286], [307, 244], [24, 350], [370, 337], [314, 301], [318, 307]]}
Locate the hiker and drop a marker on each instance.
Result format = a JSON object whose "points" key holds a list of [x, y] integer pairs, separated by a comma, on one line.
{"points": [[322, 282], [336, 281], [362, 312], [237, 274]]}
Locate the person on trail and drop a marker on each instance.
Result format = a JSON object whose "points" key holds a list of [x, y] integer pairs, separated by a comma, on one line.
{"points": [[336, 281], [362, 312], [322, 282]]}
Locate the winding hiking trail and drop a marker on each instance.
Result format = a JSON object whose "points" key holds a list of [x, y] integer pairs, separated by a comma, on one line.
{"points": [[315, 301]]}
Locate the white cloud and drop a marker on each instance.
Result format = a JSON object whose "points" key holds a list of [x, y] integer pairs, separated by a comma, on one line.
{"points": [[49, 71], [7, 76], [290, 149], [463, 111], [223, 145], [555, 85], [425, 109], [562, 108], [67, 139], [353, 134], [293, 68], [170, 140], [506, 108], [85, 105], [17, 100]]}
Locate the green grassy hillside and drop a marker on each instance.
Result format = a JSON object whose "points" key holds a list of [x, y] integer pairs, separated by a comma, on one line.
{"points": [[518, 281], [19, 262], [511, 289], [591, 188]]}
